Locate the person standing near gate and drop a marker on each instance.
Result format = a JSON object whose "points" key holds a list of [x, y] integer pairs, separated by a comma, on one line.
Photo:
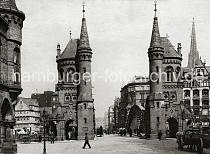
{"points": [[86, 141]]}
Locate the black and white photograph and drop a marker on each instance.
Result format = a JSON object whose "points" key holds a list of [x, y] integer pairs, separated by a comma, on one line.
{"points": [[104, 77]]}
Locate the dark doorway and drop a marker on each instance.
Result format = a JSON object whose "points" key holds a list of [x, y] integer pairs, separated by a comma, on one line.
{"points": [[52, 128], [173, 127], [70, 130]]}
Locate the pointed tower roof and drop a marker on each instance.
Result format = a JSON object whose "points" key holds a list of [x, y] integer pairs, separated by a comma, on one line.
{"points": [[193, 59], [155, 39], [8, 4], [84, 39]]}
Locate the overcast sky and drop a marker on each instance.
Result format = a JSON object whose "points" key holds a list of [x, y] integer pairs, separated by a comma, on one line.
{"points": [[119, 32]]}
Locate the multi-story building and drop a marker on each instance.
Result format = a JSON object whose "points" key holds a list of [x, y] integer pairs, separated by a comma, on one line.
{"points": [[44, 100], [11, 24], [196, 78], [73, 108], [132, 104], [27, 115]]}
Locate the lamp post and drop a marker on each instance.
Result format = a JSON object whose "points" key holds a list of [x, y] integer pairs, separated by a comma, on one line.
{"points": [[44, 120]]}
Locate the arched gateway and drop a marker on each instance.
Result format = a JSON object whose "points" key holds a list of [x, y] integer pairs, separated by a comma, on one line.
{"points": [[71, 130], [173, 127], [136, 120]]}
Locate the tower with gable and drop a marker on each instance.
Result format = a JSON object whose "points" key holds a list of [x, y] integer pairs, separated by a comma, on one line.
{"points": [[73, 109], [166, 86]]}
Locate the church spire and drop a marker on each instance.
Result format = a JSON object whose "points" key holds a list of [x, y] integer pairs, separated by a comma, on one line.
{"points": [[155, 39], [84, 39], [193, 58]]}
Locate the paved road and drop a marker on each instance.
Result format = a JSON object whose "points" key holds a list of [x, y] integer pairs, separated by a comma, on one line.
{"points": [[110, 144]]}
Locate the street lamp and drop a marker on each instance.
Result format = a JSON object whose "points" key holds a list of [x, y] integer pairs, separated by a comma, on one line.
{"points": [[44, 120]]}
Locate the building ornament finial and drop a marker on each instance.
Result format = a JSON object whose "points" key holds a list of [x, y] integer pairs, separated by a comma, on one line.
{"points": [[83, 9], [155, 8], [70, 33]]}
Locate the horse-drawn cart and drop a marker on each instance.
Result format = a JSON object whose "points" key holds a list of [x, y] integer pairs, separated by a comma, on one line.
{"points": [[197, 138]]}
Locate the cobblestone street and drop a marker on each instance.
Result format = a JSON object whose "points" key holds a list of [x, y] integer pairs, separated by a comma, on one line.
{"points": [[110, 144]]}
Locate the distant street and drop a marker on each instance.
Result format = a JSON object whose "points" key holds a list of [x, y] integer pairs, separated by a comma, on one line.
{"points": [[110, 144]]}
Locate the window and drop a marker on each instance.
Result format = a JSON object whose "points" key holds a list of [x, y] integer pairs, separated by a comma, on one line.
{"points": [[16, 56], [198, 72], [205, 92], [157, 69], [70, 76], [84, 70], [67, 97], [85, 106], [61, 74], [158, 119], [205, 103], [196, 102], [85, 120], [196, 93], [187, 93], [196, 111], [169, 72], [158, 104]]}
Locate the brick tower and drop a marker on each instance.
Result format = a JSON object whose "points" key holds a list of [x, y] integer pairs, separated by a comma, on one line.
{"points": [[11, 24], [156, 100], [85, 107]]}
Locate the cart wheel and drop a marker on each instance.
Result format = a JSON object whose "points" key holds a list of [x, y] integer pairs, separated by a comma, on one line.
{"points": [[200, 146]]}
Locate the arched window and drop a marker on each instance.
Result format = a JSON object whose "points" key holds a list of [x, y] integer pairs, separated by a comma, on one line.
{"points": [[84, 70], [61, 74], [158, 104], [169, 72], [16, 56], [70, 72]]}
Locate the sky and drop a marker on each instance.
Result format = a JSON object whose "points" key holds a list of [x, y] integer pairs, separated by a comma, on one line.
{"points": [[119, 33]]}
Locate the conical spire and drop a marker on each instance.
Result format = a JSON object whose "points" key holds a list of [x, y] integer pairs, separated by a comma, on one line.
{"points": [[84, 39], [8, 4], [155, 39], [193, 58]]}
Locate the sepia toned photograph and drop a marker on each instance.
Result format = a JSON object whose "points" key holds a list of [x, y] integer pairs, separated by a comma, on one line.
{"points": [[104, 77]]}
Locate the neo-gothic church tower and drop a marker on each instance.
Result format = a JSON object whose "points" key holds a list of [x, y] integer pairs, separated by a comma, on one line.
{"points": [[72, 101]]}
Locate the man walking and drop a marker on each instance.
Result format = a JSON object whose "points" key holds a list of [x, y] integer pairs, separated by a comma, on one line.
{"points": [[86, 141]]}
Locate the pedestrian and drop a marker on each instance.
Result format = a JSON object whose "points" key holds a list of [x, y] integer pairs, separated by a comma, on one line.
{"points": [[86, 141], [52, 138], [159, 134], [130, 132], [40, 138]]}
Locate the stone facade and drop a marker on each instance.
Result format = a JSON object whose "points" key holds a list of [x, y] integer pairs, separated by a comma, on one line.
{"points": [[132, 104], [73, 108], [11, 24], [165, 85]]}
